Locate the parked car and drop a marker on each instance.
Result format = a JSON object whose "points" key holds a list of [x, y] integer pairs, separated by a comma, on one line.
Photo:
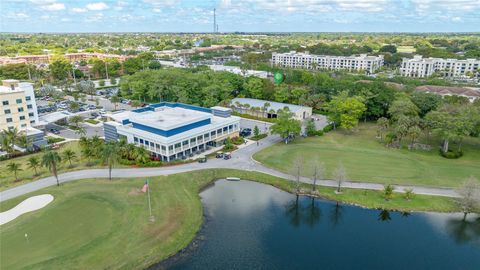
{"points": [[227, 156], [202, 159], [219, 155], [54, 131], [246, 132]]}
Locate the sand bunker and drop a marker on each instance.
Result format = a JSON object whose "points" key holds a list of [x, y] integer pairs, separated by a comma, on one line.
{"points": [[28, 205]]}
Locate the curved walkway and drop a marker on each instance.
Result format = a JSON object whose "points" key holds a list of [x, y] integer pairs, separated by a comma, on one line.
{"points": [[242, 160]]}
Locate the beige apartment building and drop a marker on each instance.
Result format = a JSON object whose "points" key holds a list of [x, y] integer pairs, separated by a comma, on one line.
{"points": [[18, 107]]}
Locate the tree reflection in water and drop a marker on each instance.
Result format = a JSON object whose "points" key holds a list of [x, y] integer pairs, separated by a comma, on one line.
{"points": [[310, 214], [313, 213], [336, 214], [384, 215], [464, 230]]}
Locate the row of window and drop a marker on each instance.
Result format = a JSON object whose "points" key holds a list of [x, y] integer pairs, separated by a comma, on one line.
{"points": [[201, 138], [10, 120], [18, 100], [20, 109]]}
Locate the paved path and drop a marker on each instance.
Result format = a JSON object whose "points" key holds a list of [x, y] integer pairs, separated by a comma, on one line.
{"points": [[242, 160]]}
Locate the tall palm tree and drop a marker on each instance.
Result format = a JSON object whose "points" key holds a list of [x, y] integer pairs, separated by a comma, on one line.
{"points": [[14, 168], [33, 163], [69, 155], [5, 143], [87, 152], [115, 100], [50, 160], [110, 156]]}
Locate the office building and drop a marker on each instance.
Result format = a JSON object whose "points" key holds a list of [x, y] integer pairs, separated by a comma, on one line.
{"points": [[173, 131]]}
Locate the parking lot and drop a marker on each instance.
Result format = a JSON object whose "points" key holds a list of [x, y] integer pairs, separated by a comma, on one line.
{"points": [[248, 123], [70, 134]]}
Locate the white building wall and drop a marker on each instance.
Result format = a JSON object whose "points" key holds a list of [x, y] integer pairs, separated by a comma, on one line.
{"points": [[425, 67]]}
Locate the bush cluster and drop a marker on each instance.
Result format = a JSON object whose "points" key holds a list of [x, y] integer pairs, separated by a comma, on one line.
{"points": [[451, 154]]}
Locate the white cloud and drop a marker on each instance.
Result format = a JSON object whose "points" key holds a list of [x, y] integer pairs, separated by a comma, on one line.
{"points": [[97, 6], [21, 15], [456, 19], [53, 7], [79, 10], [157, 10]]}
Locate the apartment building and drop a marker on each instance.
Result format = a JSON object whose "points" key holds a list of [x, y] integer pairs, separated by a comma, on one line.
{"points": [[19, 108], [424, 67], [173, 131], [309, 61]]}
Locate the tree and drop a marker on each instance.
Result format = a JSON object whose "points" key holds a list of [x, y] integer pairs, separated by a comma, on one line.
{"points": [[69, 155], [87, 152], [135, 103], [33, 163], [11, 135], [413, 132], [74, 106], [101, 83], [409, 194], [285, 125], [50, 160], [318, 173], [256, 132], [382, 123], [141, 155], [75, 120], [115, 100], [450, 122], [388, 192], [14, 168], [296, 170], [469, 193], [60, 68], [110, 156], [402, 106], [113, 81], [345, 111], [87, 87], [388, 48], [254, 86], [340, 175], [426, 102], [310, 129]]}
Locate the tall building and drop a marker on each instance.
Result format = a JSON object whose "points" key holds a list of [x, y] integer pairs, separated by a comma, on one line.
{"points": [[18, 105], [310, 61], [425, 67], [173, 131]]}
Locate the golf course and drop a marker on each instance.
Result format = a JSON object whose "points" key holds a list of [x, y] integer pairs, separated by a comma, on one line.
{"points": [[101, 224], [367, 160]]}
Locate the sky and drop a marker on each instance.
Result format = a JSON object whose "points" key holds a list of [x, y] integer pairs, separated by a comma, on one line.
{"points": [[240, 15]]}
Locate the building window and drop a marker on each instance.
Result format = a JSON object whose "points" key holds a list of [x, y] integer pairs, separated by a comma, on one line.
{"points": [[151, 144], [19, 101], [185, 142], [5, 102], [23, 125], [135, 139], [219, 131], [20, 109], [32, 121], [157, 146], [30, 114], [7, 111], [9, 120], [28, 98], [22, 117], [164, 148], [30, 106], [192, 140], [177, 145], [170, 147], [146, 142], [141, 141], [199, 137], [213, 133], [225, 129]]}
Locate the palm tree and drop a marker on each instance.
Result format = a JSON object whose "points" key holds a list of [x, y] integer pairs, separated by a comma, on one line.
{"points": [[75, 120], [87, 152], [14, 167], [115, 99], [110, 156], [50, 160], [12, 135], [33, 163], [5, 143], [69, 155], [141, 155]]}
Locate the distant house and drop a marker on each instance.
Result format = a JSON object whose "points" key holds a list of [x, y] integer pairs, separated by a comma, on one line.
{"points": [[470, 93], [268, 109]]}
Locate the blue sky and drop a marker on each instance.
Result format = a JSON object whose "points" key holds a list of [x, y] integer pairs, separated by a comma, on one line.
{"points": [[245, 15]]}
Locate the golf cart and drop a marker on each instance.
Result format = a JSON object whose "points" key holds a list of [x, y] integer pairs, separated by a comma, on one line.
{"points": [[227, 155], [219, 155]]}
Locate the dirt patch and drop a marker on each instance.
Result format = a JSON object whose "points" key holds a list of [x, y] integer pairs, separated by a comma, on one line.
{"points": [[135, 192], [162, 231]]}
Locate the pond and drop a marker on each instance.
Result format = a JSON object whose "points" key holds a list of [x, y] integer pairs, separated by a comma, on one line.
{"points": [[255, 226]]}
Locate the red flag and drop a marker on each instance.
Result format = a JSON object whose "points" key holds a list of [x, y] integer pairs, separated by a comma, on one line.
{"points": [[145, 187]]}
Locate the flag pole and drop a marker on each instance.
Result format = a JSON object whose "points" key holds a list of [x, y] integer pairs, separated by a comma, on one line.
{"points": [[149, 203]]}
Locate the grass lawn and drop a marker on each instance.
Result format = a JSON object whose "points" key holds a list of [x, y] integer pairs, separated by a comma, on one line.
{"points": [[365, 159], [7, 180], [99, 224]]}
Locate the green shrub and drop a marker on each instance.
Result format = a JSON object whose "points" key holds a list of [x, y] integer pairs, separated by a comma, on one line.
{"points": [[101, 83], [328, 128], [52, 140], [451, 154], [238, 140]]}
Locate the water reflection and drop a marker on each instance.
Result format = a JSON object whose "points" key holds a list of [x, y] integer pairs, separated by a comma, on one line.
{"points": [[255, 226]]}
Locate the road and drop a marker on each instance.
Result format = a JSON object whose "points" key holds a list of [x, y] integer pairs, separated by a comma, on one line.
{"points": [[241, 160]]}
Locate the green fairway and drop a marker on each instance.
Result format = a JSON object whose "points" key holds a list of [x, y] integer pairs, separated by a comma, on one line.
{"points": [[99, 224], [367, 160]]}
